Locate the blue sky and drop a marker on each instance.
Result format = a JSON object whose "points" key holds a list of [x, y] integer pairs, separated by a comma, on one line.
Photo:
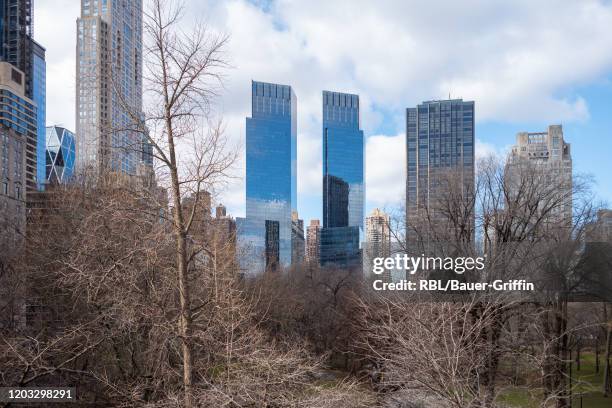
{"points": [[526, 64]]}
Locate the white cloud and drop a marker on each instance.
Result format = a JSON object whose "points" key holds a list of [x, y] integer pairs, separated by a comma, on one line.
{"points": [[519, 61], [55, 29], [385, 170]]}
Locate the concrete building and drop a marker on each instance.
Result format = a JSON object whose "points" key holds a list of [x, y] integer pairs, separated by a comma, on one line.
{"points": [[313, 242], [12, 190], [378, 233], [378, 238], [17, 156], [547, 156]]}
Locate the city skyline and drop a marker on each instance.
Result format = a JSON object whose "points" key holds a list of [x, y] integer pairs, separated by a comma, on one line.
{"points": [[512, 96]]}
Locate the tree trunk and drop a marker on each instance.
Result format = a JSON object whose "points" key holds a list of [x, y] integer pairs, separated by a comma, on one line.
{"points": [[606, 379], [184, 323]]}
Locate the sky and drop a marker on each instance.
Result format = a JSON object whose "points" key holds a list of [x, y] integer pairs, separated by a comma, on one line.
{"points": [[525, 63]]}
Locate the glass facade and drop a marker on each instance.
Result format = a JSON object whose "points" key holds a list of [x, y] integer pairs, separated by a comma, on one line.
{"points": [[19, 113], [343, 179], [39, 75], [340, 246], [439, 136], [271, 171], [59, 155]]}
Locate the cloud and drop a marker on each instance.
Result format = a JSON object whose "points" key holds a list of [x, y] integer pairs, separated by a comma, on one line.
{"points": [[385, 170], [520, 61], [55, 29]]}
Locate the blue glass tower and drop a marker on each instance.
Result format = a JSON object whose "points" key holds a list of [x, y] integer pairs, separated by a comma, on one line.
{"points": [[343, 180], [271, 171], [39, 75], [60, 155]]}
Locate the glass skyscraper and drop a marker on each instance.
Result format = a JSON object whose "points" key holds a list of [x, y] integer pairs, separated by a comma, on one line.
{"points": [[439, 138], [109, 86], [271, 171], [39, 95], [18, 48], [60, 155], [343, 180]]}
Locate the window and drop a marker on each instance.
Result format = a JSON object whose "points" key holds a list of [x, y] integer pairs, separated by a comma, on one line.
{"points": [[18, 191], [5, 188], [16, 76]]}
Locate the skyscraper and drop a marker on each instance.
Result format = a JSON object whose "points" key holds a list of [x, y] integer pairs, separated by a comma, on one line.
{"points": [[547, 154], [109, 86], [343, 180], [39, 95], [298, 248], [271, 160], [60, 155], [378, 238], [439, 143], [18, 48], [16, 38], [378, 233], [17, 145], [313, 242]]}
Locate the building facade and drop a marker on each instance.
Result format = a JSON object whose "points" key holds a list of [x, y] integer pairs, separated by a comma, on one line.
{"points": [[298, 248], [378, 239], [343, 180], [439, 144], [109, 87], [12, 189], [16, 39], [18, 113], [39, 96], [313, 242], [60, 155], [271, 172], [549, 158], [18, 48]]}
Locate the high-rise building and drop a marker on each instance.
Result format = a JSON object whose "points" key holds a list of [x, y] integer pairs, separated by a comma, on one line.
{"points": [[343, 180], [225, 229], [109, 87], [18, 48], [18, 112], [59, 155], [313, 242], [298, 250], [12, 185], [16, 43], [548, 155], [271, 171], [439, 144], [39, 95], [378, 233], [601, 229], [378, 238]]}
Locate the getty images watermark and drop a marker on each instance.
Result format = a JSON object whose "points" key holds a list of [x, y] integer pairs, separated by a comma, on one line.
{"points": [[458, 265]]}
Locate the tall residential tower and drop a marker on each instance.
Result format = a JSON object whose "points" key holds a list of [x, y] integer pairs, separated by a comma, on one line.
{"points": [[440, 144], [109, 86]]}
